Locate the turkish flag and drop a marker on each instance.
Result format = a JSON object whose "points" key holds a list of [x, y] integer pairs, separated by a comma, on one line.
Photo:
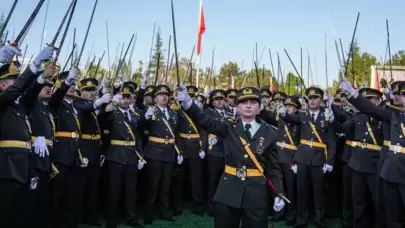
{"points": [[201, 30]]}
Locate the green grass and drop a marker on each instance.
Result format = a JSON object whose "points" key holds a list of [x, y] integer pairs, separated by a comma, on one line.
{"points": [[189, 220]]}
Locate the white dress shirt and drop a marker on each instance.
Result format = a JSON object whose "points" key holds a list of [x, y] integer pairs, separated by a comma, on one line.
{"points": [[164, 110], [126, 111], [70, 103], [220, 111], [315, 114], [255, 126]]}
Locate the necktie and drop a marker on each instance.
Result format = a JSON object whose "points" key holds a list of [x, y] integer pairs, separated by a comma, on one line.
{"points": [[313, 117], [165, 113], [126, 116], [247, 131], [222, 114]]}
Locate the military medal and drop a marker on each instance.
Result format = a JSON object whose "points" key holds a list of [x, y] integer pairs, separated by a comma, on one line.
{"points": [[260, 146]]}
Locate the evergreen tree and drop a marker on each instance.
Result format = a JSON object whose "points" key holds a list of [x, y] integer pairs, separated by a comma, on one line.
{"points": [[157, 51]]}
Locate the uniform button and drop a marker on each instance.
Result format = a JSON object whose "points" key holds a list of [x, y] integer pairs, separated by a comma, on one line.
{"points": [[397, 144], [312, 132], [243, 167], [366, 133], [285, 135], [400, 136], [248, 144], [364, 140], [245, 156], [189, 131]]}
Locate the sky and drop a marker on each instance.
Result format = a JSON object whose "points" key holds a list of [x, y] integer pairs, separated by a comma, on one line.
{"points": [[232, 26]]}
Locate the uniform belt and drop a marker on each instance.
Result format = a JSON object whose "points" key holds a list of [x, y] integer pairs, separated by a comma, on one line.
{"points": [[212, 136], [91, 137], [123, 143], [397, 149], [73, 135], [48, 141], [190, 136], [161, 140], [106, 132], [15, 144], [312, 143], [285, 145], [386, 143], [242, 172], [363, 145]]}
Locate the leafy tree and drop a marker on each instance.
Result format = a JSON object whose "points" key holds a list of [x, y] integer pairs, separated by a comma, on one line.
{"points": [[398, 58]]}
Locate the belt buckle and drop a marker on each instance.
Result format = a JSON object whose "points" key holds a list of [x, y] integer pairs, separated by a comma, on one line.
{"points": [[397, 149], [50, 143], [126, 143], [363, 145], [241, 173], [29, 145], [93, 137], [282, 144], [74, 135], [166, 141], [188, 136], [310, 143]]}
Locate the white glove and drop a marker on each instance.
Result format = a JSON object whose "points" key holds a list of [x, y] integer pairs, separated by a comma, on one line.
{"points": [[202, 154], [294, 168], [278, 204], [143, 83], [140, 164], [85, 163], [105, 99], [330, 115], [149, 113], [34, 183], [72, 76], [388, 92], [179, 159], [281, 110], [40, 147], [348, 88], [45, 55], [183, 97], [8, 52], [327, 168], [116, 98], [102, 160], [198, 103], [207, 94]]}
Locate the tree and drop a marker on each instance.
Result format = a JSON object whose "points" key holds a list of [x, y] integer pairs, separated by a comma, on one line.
{"points": [[359, 66], [398, 58], [157, 51]]}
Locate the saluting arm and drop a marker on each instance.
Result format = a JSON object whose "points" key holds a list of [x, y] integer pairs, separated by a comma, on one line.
{"points": [[58, 96], [269, 117], [206, 122], [368, 108], [293, 119], [17, 89], [30, 97], [345, 127]]}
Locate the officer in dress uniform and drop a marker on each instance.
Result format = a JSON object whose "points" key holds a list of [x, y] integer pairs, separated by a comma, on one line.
{"points": [[124, 157], [315, 155], [160, 152], [67, 187], [392, 170], [230, 101], [343, 150], [15, 136], [366, 146], [214, 146], [90, 145], [265, 95], [43, 130], [287, 141], [189, 142], [250, 157]]}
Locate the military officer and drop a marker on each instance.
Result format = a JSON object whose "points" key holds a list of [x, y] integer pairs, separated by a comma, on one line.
{"points": [[230, 101], [189, 142], [315, 155], [250, 145], [266, 97], [124, 157], [160, 151], [15, 135]]}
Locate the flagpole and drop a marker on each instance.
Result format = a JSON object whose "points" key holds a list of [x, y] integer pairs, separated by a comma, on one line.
{"points": [[198, 53]]}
